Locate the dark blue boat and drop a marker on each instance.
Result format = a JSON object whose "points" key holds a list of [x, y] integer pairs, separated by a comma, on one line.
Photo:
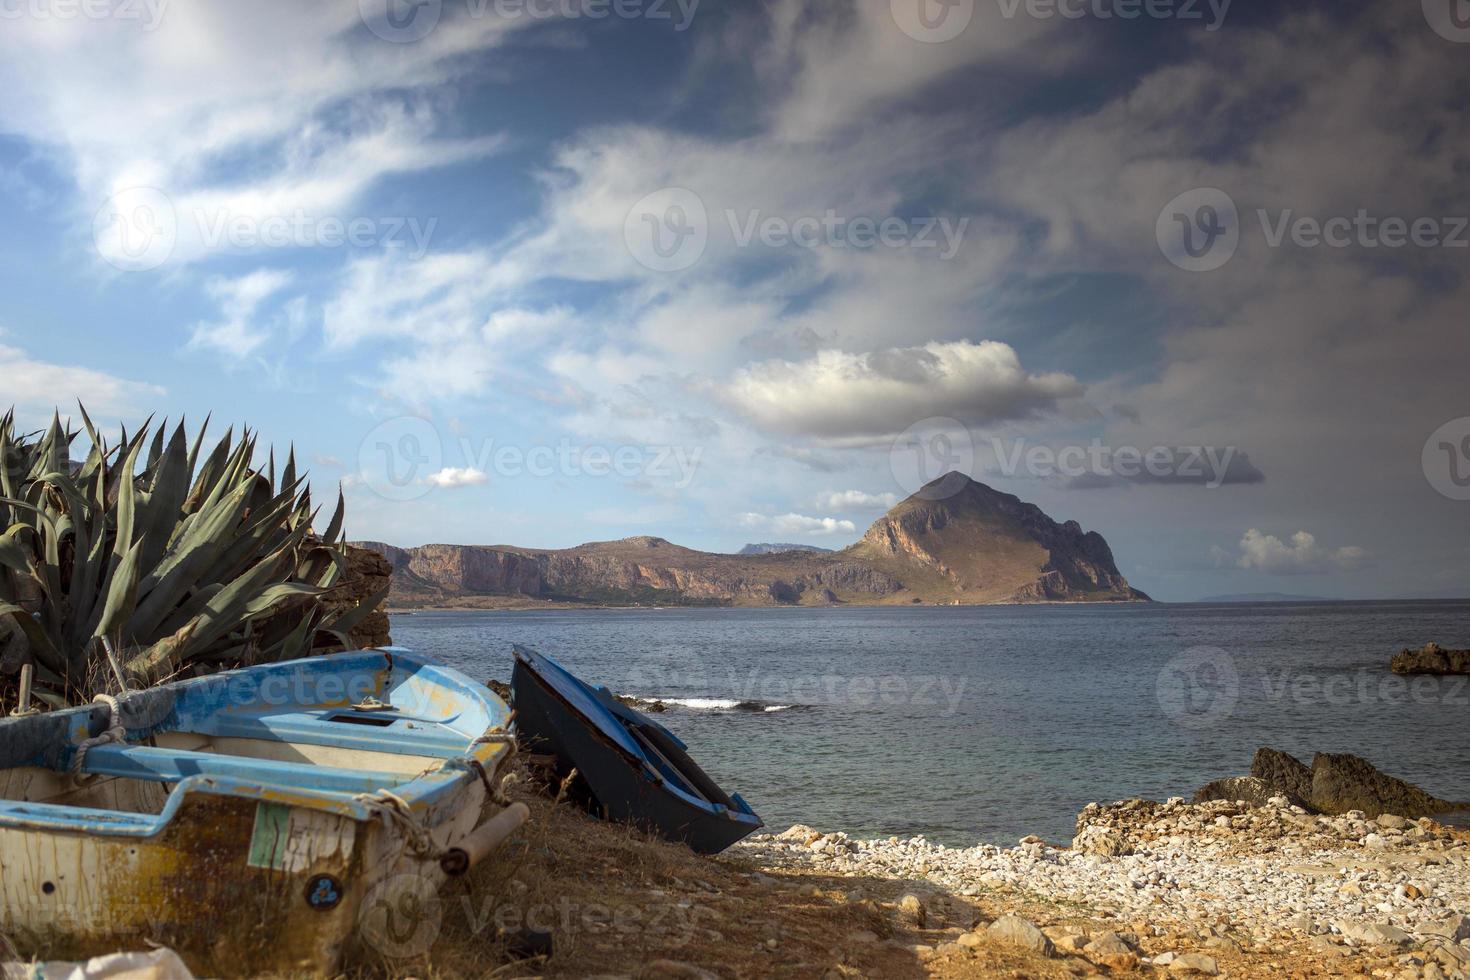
{"points": [[636, 770]]}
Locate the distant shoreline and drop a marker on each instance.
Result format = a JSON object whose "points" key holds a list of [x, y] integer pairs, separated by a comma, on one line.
{"points": [[527, 604], [535, 605]]}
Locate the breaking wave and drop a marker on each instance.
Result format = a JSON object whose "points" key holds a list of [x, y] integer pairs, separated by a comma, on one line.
{"points": [[715, 704]]}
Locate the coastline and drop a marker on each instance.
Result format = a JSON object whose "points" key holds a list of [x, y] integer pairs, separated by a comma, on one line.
{"points": [[1149, 889], [529, 604]]}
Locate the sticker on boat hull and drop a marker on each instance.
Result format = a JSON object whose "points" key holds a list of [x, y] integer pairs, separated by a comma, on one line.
{"points": [[292, 839], [324, 893], [271, 834]]}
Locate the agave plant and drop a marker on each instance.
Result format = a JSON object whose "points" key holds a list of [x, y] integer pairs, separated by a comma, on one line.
{"points": [[184, 566]]}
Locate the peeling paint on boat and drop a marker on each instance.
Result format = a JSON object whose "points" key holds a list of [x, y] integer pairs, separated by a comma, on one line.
{"points": [[122, 861]]}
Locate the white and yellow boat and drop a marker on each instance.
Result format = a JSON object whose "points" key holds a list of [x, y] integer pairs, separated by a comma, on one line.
{"points": [[250, 820]]}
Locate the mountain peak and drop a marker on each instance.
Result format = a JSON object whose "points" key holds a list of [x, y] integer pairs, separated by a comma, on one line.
{"points": [[990, 546]]}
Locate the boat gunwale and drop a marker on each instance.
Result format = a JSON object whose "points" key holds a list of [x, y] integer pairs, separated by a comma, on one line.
{"points": [[157, 706]]}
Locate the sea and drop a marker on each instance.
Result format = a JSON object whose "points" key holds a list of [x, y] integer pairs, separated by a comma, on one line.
{"points": [[985, 724]]}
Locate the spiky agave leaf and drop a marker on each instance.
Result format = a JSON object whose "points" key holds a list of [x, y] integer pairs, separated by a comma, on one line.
{"points": [[188, 562]]}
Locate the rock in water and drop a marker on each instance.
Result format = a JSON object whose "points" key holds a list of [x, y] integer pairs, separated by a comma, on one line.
{"points": [[1431, 659], [1021, 932], [1283, 773], [1345, 782]]}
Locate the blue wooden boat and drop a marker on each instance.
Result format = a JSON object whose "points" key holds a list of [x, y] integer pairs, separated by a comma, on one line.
{"points": [[636, 770], [256, 820]]}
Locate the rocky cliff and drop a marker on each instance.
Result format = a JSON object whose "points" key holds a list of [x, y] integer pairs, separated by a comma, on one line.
{"points": [[975, 545]]}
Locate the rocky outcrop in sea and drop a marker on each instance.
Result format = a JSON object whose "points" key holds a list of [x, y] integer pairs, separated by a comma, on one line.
{"points": [[1431, 659], [1333, 784]]}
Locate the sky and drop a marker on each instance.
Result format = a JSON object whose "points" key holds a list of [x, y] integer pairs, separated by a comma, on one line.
{"points": [[541, 272]]}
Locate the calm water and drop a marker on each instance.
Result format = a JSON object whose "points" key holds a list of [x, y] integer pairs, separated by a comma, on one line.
{"points": [[990, 723]]}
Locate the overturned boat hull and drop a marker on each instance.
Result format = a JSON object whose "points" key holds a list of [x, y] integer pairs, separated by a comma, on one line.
{"points": [[637, 771]]}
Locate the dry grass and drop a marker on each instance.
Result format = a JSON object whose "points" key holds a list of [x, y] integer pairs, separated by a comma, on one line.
{"points": [[619, 903]]}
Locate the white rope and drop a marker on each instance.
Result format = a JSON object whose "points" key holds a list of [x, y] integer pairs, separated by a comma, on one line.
{"points": [[114, 733], [371, 703], [395, 810]]}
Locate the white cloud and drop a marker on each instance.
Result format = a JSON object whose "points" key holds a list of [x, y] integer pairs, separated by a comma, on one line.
{"points": [[838, 64], [453, 478], [797, 524], [38, 387], [837, 395], [1301, 555], [314, 107], [450, 318], [855, 500], [238, 333]]}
